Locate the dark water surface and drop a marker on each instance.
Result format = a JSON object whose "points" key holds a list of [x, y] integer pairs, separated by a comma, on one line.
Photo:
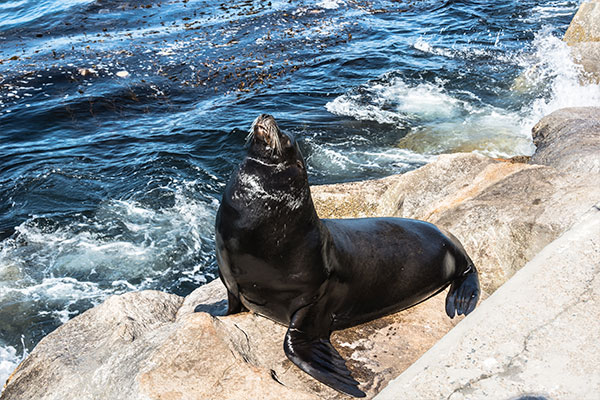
{"points": [[120, 122]]}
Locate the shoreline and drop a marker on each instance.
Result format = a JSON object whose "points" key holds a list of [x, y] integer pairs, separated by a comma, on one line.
{"points": [[476, 181]]}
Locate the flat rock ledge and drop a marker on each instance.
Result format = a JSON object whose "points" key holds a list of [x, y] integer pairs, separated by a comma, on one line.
{"points": [[153, 345]]}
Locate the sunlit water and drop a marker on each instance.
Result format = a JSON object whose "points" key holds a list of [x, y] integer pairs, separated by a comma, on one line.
{"points": [[121, 122]]}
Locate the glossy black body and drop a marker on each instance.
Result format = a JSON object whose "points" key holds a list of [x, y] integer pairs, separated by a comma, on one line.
{"points": [[278, 259]]}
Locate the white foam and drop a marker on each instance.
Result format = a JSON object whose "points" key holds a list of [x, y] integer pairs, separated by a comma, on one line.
{"points": [[8, 362], [424, 46], [330, 4], [439, 121], [465, 51], [442, 121], [393, 101], [348, 104], [424, 100], [347, 161], [58, 293], [125, 246]]}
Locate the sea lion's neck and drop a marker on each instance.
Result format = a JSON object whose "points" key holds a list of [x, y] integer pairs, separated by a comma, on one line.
{"points": [[262, 191]]}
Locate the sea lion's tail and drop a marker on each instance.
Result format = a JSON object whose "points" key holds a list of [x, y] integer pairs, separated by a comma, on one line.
{"points": [[464, 292]]}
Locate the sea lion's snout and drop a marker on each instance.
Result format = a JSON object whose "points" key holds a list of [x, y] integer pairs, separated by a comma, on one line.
{"points": [[265, 129], [264, 125]]}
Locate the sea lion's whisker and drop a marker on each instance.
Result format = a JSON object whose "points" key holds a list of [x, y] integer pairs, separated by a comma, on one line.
{"points": [[270, 133]]}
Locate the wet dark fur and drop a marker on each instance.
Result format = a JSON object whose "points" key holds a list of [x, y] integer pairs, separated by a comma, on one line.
{"points": [[278, 259]]}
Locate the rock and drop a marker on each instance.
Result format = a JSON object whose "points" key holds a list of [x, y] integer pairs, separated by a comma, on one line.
{"points": [[139, 346], [83, 356], [376, 351], [198, 359], [151, 345], [537, 335], [583, 36], [585, 25], [351, 200], [587, 54], [388, 196], [578, 132]]}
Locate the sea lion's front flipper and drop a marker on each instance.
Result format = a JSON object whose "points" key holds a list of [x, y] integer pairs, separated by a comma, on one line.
{"points": [[234, 304], [307, 345], [463, 294]]}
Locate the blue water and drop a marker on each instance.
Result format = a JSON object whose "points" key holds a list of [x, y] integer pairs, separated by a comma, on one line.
{"points": [[121, 122]]}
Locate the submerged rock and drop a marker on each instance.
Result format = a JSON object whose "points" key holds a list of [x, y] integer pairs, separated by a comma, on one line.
{"points": [[152, 345]]}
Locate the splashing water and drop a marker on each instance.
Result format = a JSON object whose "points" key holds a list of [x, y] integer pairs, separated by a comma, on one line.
{"points": [[552, 68], [440, 118]]}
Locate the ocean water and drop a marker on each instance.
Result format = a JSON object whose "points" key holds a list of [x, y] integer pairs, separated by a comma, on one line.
{"points": [[121, 121]]}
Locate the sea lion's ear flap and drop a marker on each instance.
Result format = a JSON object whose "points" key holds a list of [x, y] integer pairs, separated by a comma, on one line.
{"points": [[285, 141]]}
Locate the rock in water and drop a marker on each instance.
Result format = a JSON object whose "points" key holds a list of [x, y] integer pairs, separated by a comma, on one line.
{"points": [[569, 140], [583, 36]]}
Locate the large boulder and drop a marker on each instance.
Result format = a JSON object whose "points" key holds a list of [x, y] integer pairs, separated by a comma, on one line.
{"points": [[585, 25], [577, 134], [151, 345]]}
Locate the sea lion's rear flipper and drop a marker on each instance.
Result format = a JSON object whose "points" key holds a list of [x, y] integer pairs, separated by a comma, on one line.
{"points": [[314, 354], [464, 293]]}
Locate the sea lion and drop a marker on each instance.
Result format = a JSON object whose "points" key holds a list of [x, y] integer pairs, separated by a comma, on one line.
{"points": [[278, 259]]}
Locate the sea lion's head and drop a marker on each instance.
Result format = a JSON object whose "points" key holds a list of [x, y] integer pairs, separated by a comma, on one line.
{"points": [[270, 144], [272, 179]]}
